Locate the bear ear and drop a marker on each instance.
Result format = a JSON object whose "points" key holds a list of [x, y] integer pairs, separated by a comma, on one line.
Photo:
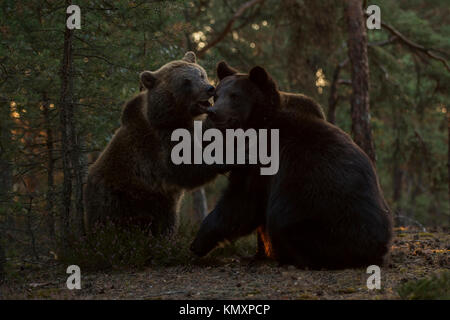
{"points": [[148, 79], [190, 57], [224, 70], [259, 76]]}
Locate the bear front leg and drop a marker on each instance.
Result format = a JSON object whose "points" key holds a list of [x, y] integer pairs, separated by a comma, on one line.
{"points": [[191, 176], [209, 235], [164, 213], [165, 225], [234, 216]]}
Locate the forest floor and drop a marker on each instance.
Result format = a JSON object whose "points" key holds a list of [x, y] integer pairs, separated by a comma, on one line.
{"points": [[415, 255]]}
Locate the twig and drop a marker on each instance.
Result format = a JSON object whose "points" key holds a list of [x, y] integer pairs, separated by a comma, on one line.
{"points": [[228, 27], [412, 220], [413, 45], [382, 42], [167, 293]]}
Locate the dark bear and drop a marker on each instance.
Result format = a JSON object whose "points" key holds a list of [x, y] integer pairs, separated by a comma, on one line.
{"points": [[323, 208], [301, 104], [134, 178]]}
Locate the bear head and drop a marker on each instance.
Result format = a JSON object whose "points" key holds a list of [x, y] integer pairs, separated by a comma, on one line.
{"points": [[243, 100], [177, 88]]}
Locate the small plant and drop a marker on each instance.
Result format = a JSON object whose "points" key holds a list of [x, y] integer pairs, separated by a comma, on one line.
{"points": [[114, 246], [243, 247], [436, 287]]}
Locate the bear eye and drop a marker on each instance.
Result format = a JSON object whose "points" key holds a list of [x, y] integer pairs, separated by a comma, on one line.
{"points": [[202, 76]]}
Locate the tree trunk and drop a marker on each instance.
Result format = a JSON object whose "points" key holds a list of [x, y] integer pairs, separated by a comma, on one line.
{"points": [[79, 170], [357, 52], [2, 262], [6, 173], [66, 111], [6, 182], [200, 205], [334, 97], [397, 184], [50, 196]]}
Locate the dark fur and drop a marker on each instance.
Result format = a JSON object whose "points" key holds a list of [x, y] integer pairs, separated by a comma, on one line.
{"points": [[301, 104], [323, 209]]}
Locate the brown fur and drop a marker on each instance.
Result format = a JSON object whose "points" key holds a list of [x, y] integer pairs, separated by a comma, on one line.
{"points": [[324, 208], [134, 178], [301, 104]]}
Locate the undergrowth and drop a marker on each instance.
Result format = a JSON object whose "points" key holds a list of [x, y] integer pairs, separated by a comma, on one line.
{"points": [[115, 247], [436, 287]]}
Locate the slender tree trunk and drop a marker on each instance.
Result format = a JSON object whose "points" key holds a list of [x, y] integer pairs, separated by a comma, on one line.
{"points": [[2, 262], [79, 164], [6, 182], [50, 196], [415, 193], [29, 227], [357, 52], [72, 141], [200, 205], [187, 18], [334, 97], [397, 184], [65, 110], [448, 157], [6, 172]]}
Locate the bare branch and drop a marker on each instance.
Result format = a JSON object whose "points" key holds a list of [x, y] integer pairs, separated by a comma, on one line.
{"points": [[228, 27], [382, 42], [415, 46]]}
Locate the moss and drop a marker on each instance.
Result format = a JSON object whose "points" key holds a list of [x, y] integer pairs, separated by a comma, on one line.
{"points": [[45, 293], [425, 234], [306, 296], [347, 290]]}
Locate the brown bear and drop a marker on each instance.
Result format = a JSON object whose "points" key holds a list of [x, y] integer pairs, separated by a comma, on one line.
{"points": [[134, 178], [302, 105], [323, 208]]}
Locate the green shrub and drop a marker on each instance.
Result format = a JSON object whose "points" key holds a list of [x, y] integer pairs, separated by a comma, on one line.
{"points": [[436, 287]]}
